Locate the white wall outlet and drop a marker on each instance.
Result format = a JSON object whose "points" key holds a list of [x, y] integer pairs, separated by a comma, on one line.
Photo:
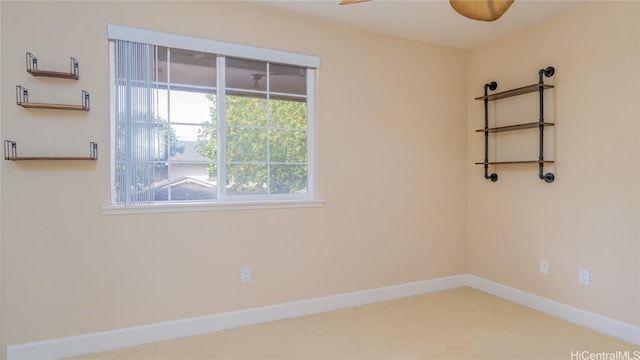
{"points": [[544, 266], [245, 275], [584, 277]]}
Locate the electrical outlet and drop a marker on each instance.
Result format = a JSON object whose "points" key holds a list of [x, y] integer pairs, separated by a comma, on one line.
{"points": [[584, 277], [544, 266], [245, 275]]}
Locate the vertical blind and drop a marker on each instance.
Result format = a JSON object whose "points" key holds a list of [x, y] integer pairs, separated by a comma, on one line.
{"points": [[135, 128]]}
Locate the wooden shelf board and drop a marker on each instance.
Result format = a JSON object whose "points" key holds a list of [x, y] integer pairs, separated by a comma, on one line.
{"points": [[516, 162], [24, 158], [516, 127], [54, 74], [515, 92], [52, 106]]}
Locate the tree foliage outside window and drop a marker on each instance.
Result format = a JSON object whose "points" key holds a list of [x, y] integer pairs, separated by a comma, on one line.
{"points": [[266, 145]]}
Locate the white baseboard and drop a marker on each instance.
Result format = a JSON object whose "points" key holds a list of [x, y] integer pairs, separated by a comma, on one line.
{"points": [[121, 338], [605, 325]]}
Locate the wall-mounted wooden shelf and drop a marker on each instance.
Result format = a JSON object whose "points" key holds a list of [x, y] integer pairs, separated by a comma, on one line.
{"points": [[32, 68], [515, 92], [11, 153], [53, 106], [516, 162], [22, 99], [515, 127]]}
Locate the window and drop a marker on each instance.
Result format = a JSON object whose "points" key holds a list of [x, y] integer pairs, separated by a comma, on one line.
{"points": [[197, 120]]}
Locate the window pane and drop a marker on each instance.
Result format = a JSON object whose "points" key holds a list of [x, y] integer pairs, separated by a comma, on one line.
{"points": [[190, 189], [288, 114], [246, 145], [287, 79], [288, 179], [184, 181], [207, 145], [185, 146], [186, 107], [161, 139], [246, 74], [194, 68], [246, 110], [191, 107], [246, 179], [187, 132], [288, 146]]}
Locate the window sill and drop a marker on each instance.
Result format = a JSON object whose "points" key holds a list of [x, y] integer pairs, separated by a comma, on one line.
{"points": [[212, 206]]}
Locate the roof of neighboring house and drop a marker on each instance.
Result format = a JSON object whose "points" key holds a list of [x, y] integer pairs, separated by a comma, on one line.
{"points": [[186, 188]]}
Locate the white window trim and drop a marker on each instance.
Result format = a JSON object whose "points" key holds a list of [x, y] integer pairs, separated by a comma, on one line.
{"points": [[176, 207], [311, 62], [119, 32]]}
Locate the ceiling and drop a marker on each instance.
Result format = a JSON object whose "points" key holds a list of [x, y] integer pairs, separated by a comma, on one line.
{"points": [[431, 21]]}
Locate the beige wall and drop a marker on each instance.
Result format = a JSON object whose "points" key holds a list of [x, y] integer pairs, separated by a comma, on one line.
{"points": [[394, 154], [589, 216], [391, 140]]}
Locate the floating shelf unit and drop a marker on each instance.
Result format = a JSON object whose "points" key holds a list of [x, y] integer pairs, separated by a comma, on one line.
{"points": [[22, 99], [11, 153], [540, 87], [32, 68]]}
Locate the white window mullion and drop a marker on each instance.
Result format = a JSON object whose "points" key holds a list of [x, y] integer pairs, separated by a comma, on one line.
{"points": [[268, 110], [221, 121], [167, 140], [129, 125], [113, 99], [311, 116]]}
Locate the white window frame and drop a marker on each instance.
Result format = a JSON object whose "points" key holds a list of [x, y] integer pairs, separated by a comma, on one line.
{"points": [[311, 62]]}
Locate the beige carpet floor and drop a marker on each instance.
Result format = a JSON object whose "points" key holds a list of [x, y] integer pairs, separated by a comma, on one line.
{"points": [[455, 324]]}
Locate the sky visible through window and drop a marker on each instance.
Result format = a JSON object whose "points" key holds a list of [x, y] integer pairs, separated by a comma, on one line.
{"points": [[186, 107]]}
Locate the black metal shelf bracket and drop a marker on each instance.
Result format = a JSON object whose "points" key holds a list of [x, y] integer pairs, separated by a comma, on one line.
{"points": [[32, 68], [93, 150], [22, 95], [491, 86], [10, 150], [85, 100]]}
